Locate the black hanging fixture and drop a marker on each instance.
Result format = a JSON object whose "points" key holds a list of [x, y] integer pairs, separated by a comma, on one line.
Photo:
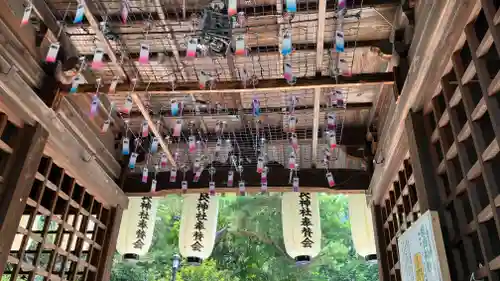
{"points": [[215, 34]]}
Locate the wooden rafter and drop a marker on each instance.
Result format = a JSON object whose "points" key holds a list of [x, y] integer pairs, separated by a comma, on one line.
{"points": [[153, 127], [383, 44], [348, 180], [204, 112], [46, 15], [78, 159], [429, 57], [262, 10], [263, 85], [104, 42], [320, 40]]}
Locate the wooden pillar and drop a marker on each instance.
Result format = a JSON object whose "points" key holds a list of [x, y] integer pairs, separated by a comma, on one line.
{"points": [[109, 247], [22, 167], [378, 224], [428, 193]]}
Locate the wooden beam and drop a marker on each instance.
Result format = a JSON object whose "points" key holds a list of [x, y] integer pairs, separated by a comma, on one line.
{"points": [[315, 129], [320, 37], [264, 85], [170, 38], [248, 190], [74, 121], [104, 42], [383, 44], [18, 55], [20, 175], [62, 146], [352, 136], [25, 35], [204, 111], [428, 56], [348, 180], [250, 11], [423, 171], [43, 11], [153, 128], [378, 225]]}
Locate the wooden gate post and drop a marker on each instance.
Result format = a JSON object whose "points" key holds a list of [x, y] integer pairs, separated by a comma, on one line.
{"points": [[19, 176]]}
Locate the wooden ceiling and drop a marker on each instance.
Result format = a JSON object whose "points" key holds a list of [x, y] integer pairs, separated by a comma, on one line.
{"points": [[165, 25]]}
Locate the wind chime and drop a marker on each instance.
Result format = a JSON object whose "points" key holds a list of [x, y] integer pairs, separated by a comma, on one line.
{"points": [[290, 124], [340, 66], [331, 139], [287, 51]]}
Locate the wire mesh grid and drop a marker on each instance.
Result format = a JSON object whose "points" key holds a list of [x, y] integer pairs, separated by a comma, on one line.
{"points": [[172, 23], [166, 26], [245, 135]]}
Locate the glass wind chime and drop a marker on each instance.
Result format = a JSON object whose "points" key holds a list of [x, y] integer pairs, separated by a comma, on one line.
{"points": [[286, 42], [290, 125], [336, 100], [340, 66], [260, 145], [331, 137]]}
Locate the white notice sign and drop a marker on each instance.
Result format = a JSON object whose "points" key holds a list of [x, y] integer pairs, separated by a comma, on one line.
{"points": [[421, 251]]}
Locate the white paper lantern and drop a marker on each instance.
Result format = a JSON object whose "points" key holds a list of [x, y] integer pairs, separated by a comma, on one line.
{"points": [[136, 229], [362, 227], [301, 225], [198, 226]]}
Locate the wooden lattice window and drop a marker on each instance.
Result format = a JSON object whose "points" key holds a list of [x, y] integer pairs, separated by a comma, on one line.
{"points": [[399, 209], [463, 127], [62, 230]]}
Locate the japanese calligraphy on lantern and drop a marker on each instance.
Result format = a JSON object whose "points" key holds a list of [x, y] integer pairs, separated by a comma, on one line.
{"points": [[201, 218], [421, 250], [142, 225], [306, 223]]}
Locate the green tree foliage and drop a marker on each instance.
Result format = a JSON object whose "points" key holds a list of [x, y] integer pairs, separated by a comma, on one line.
{"points": [[250, 246], [208, 271]]}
